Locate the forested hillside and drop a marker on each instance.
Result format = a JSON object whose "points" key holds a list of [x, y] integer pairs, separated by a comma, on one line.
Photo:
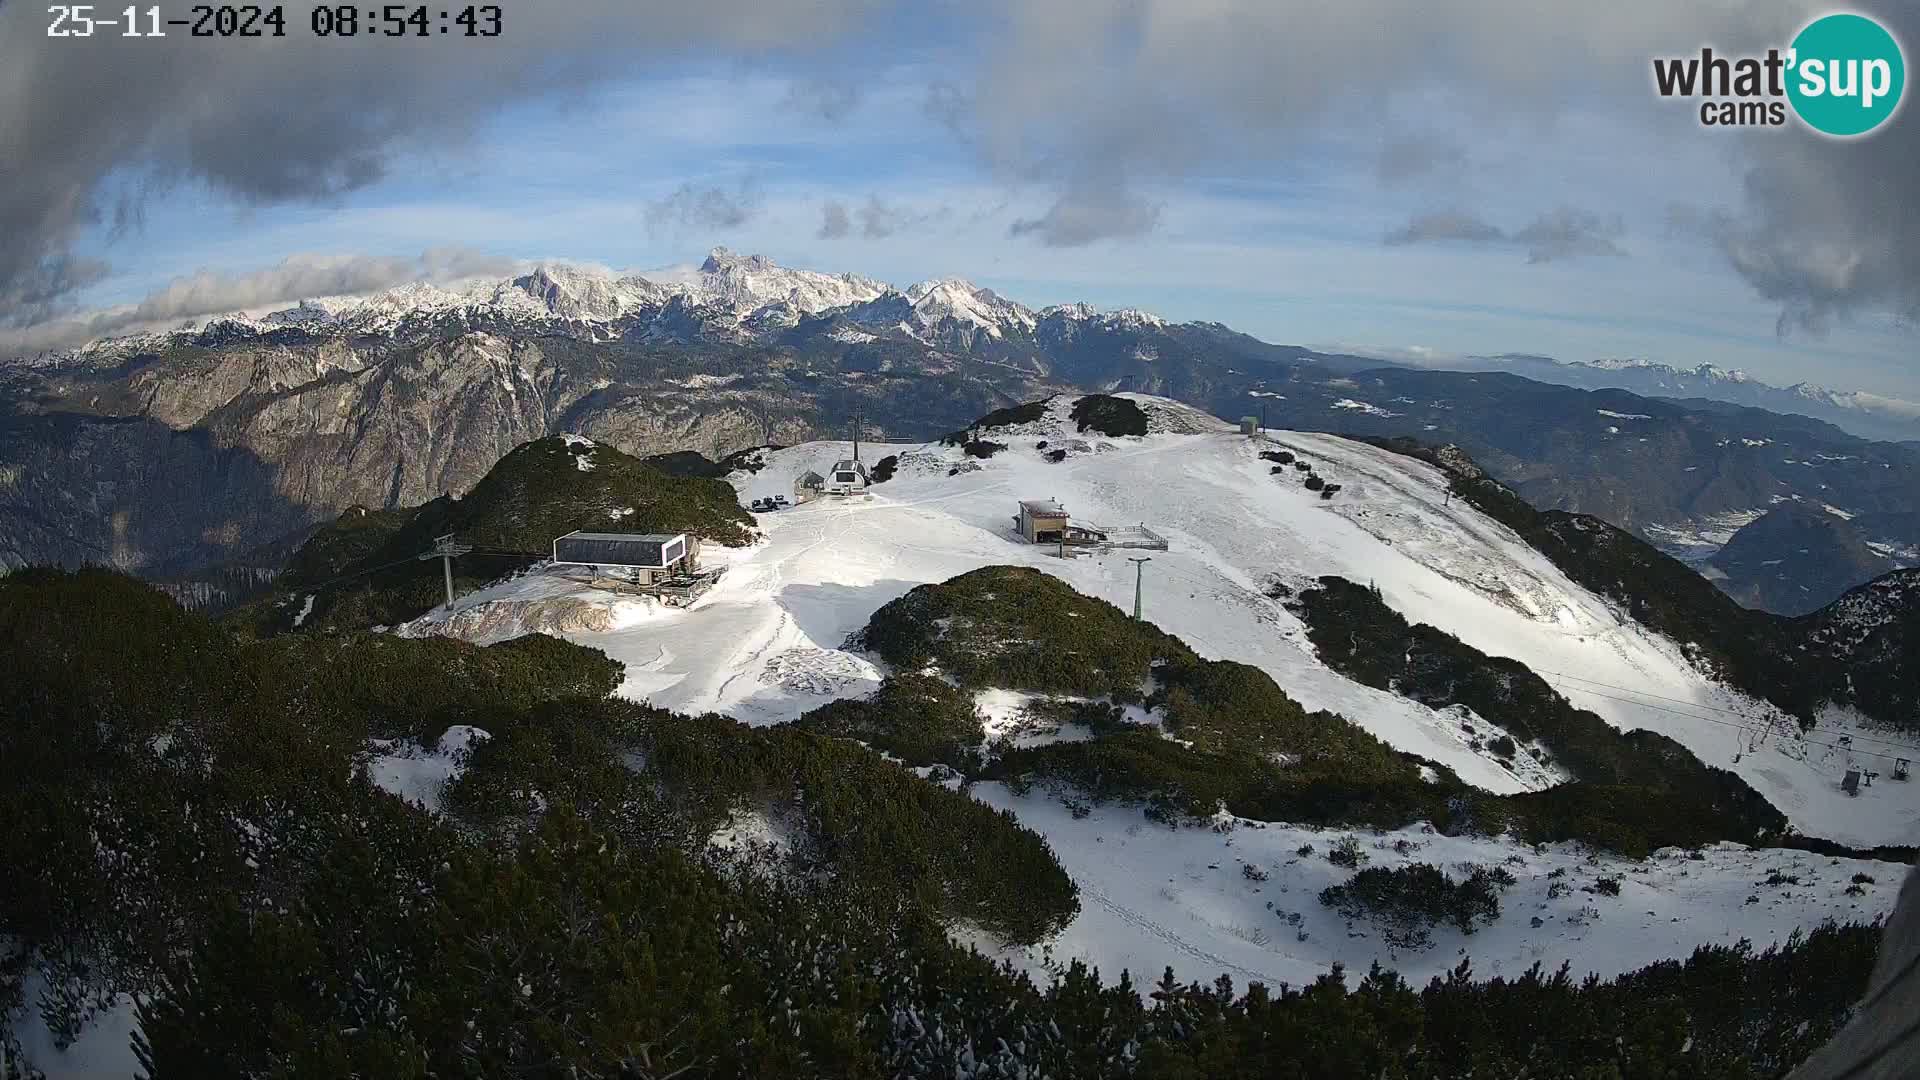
{"points": [[192, 825]]}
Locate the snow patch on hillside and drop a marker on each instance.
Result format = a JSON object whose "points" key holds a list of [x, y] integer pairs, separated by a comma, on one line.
{"points": [[419, 775], [536, 603], [1356, 405], [1243, 900], [1695, 541], [104, 1047]]}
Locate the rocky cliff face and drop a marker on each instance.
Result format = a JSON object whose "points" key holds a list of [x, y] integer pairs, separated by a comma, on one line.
{"points": [[191, 457]]}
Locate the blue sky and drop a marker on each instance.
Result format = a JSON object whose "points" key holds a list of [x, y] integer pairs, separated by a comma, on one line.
{"points": [[1283, 237]]}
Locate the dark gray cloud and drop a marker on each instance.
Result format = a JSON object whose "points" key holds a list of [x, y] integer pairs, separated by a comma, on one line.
{"points": [[1446, 226], [1098, 103], [1826, 227], [1151, 93], [832, 100], [1411, 157], [1564, 233], [88, 125], [1090, 211], [44, 290], [950, 107], [835, 222], [208, 292], [694, 207], [879, 219]]}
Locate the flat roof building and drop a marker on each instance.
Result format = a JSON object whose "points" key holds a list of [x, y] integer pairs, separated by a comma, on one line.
{"points": [[646, 556], [1041, 521]]}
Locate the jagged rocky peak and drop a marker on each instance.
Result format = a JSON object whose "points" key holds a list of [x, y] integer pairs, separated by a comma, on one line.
{"points": [[720, 260], [954, 298], [587, 293], [1076, 311], [748, 282]]}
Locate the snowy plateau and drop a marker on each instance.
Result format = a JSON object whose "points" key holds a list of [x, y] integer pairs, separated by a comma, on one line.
{"points": [[771, 641]]}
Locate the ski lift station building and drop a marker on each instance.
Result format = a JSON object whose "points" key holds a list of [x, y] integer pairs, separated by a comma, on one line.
{"points": [[848, 477], [647, 558]]}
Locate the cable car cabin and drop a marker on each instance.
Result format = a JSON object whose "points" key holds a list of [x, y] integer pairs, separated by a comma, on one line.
{"points": [[848, 477], [644, 558]]}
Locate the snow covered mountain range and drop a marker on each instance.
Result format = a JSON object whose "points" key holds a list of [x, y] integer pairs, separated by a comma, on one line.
{"points": [[1871, 416], [727, 297], [745, 298]]}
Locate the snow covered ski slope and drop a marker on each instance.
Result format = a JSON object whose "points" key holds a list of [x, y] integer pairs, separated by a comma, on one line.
{"points": [[766, 644], [770, 642]]}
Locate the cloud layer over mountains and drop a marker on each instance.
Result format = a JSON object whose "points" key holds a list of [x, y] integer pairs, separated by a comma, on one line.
{"points": [[1095, 101]]}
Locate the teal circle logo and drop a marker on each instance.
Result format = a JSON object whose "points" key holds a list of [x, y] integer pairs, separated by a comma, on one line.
{"points": [[1846, 76]]}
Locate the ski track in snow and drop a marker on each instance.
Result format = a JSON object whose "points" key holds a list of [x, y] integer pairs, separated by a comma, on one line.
{"points": [[768, 643]]}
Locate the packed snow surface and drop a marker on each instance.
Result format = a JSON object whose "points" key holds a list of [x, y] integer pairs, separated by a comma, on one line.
{"points": [[1242, 899], [788, 603], [770, 642]]}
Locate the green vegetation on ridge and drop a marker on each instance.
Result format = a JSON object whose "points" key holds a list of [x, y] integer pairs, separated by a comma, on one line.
{"points": [[1109, 415], [1233, 738], [1862, 650], [361, 571]]}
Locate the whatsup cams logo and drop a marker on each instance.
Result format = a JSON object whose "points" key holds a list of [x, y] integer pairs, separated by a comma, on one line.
{"points": [[1843, 76]]}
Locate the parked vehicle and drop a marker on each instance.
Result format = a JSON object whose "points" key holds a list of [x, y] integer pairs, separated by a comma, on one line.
{"points": [[780, 502]]}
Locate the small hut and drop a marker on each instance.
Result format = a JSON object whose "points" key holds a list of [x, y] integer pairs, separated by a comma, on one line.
{"points": [[808, 486], [1041, 521], [1249, 425]]}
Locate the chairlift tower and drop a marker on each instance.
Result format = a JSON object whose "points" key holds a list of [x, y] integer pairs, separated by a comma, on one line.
{"points": [[1139, 567], [446, 548]]}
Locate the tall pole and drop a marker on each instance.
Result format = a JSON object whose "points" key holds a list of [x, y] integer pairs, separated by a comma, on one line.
{"points": [[445, 548], [1139, 568]]}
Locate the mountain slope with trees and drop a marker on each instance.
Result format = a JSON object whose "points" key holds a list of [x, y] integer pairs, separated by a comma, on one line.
{"points": [[196, 830], [361, 571], [1859, 651]]}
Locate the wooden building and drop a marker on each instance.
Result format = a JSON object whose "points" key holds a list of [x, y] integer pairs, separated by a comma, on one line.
{"points": [[808, 486], [1042, 521]]}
